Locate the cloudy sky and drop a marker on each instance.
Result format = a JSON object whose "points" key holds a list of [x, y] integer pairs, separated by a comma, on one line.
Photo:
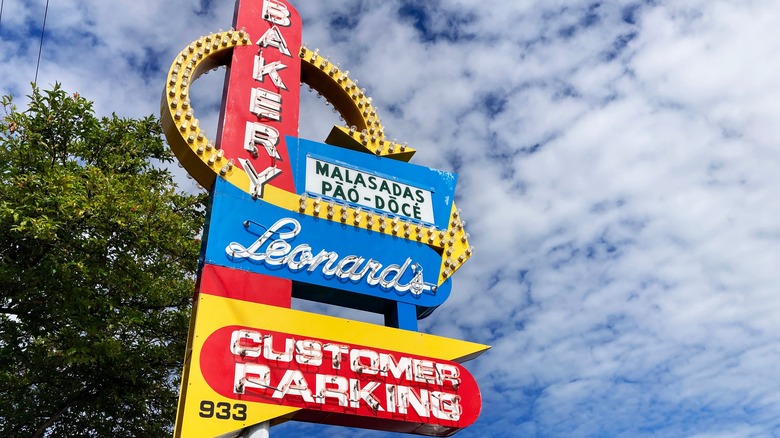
{"points": [[619, 169]]}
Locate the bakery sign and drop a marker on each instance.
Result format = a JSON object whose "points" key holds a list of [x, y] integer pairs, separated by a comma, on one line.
{"points": [[347, 222]]}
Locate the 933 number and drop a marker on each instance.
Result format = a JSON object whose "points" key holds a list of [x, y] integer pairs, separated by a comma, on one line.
{"points": [[222, 410]]}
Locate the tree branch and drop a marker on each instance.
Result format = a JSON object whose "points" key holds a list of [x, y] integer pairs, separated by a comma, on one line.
{"points": [[8, 311], [46, 424]]}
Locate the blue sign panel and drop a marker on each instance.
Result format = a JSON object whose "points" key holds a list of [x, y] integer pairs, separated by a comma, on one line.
{"points": [[395, 188], [259, 237]]}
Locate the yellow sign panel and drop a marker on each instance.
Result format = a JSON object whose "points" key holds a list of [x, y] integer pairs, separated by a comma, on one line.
{"points": [[206, 412]]}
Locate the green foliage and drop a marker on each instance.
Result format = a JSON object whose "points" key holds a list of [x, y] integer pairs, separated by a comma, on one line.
{"points": [[98, 252]]}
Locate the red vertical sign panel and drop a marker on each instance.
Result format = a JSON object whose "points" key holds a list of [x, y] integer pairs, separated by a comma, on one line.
{"points": [[262, 91]]}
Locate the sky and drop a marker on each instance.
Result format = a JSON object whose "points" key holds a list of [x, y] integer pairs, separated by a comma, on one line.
{"points": [[619, 172]]}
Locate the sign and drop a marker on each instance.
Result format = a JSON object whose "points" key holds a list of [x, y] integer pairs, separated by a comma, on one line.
{"points": [[337, 181], [262, 93], [390, 187], [252, 363], [352, 225], [323, 374], [255, 236]]}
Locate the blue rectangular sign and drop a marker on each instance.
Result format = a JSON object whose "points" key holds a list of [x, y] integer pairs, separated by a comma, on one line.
{"points": [[259, 237], [387, 186]]}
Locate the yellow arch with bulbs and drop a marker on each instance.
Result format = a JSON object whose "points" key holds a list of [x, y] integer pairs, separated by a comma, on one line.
{"points": [[364, 132]]}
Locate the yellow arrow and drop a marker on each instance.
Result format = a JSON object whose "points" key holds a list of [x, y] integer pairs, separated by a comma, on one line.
{"points": [[215, 313]]}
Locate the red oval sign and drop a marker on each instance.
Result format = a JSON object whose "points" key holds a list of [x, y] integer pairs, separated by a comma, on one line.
{"points": [[338, 383]]}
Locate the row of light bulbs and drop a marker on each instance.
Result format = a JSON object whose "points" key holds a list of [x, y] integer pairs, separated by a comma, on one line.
{"points": [[450, 240], [178, 82], [373, 136]]}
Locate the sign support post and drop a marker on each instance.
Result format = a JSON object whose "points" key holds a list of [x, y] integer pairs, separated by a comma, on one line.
{"points": [[262, 430]]}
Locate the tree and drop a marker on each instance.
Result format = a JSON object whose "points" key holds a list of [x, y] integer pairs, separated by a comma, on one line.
{"points": [[98, 253]]}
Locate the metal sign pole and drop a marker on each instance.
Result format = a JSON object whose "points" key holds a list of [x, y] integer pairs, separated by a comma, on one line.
{"points": [[261, 430]]}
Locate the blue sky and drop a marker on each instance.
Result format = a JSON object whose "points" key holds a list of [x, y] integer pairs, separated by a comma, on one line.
{"points": [[618, 168]]}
